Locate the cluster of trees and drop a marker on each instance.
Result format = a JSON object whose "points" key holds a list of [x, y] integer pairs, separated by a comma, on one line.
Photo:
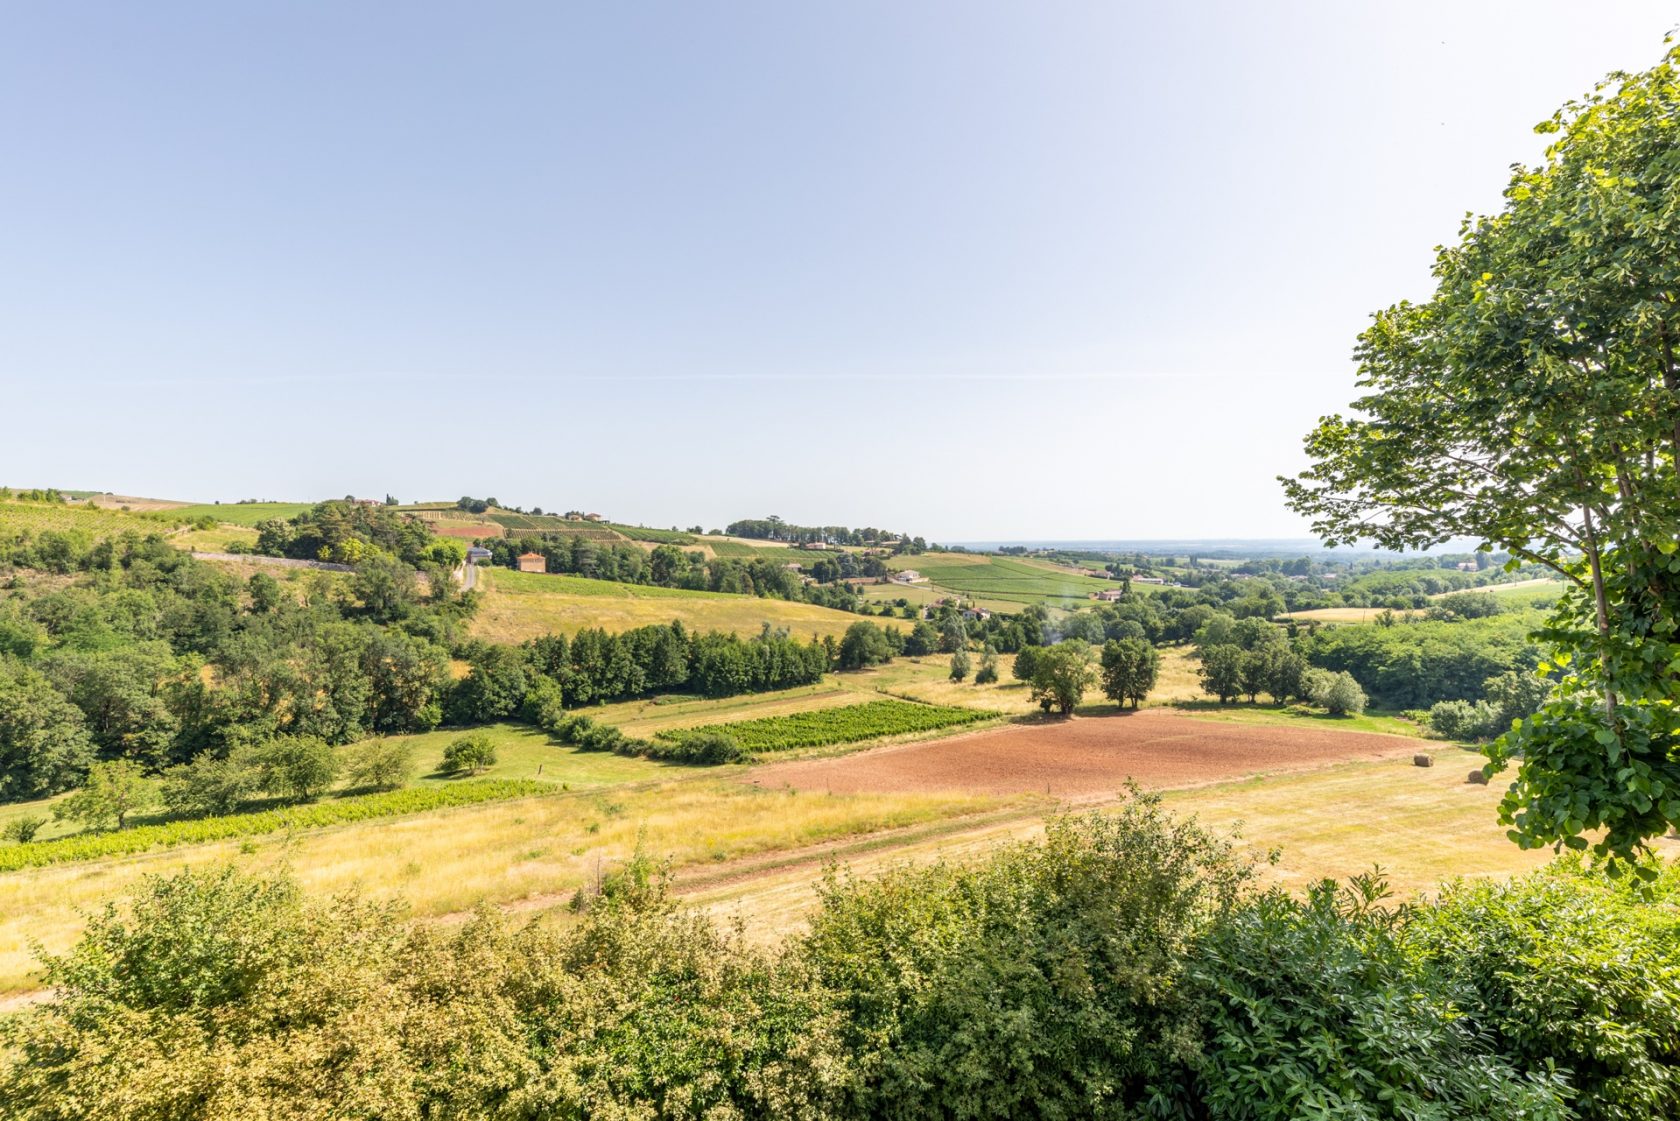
{"points": [[150, 656], [348, 532], [668, 566], [774, 528], [1506, 698], [597, 667], [1127, 964], [1413, 665]]}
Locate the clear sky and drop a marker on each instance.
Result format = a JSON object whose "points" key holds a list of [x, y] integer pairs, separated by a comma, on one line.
{"points": [[974, 270]]}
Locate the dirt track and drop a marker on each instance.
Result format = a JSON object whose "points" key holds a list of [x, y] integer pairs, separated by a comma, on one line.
{"points": [[1086, 756]]}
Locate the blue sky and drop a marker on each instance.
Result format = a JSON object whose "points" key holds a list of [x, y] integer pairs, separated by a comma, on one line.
{"points": [[972, 270]]}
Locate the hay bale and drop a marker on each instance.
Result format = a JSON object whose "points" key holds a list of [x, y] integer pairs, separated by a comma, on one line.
{"points": [[1476, 778], [1423, 760]]}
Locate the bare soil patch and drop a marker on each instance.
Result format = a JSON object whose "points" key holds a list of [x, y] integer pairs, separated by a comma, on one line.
{"points": [[1087, 756]]}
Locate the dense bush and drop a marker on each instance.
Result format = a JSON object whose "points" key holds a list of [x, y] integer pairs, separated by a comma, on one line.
{"points": [[1308, 1008], [1563, 971], [1124, 966]]}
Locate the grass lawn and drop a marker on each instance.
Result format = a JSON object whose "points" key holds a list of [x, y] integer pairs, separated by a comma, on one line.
{"points": [[522, 605], [526, 752], [1245, 713]]}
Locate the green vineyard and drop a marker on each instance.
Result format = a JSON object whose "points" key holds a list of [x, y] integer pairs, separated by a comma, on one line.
{"points": [[339, 811], [828, 726]]}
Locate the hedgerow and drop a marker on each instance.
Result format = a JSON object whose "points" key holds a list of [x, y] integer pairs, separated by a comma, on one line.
{"points": [[824, 727], [340, 811]]}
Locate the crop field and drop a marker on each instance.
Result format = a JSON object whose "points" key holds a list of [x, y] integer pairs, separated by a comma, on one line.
{"points": [[1421, 825], [826, 727], [98, 524], [241, 513], [1093, 755], [1006, 580], [522, 605], [654, 536], [528, 853], [214, 540]]}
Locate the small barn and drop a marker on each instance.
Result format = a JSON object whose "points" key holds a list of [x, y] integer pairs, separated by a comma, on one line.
{"points": [[477, 554], [533, 562]]}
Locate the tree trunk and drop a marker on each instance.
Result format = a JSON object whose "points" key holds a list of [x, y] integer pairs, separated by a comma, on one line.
{"points": [[1602, 611]]}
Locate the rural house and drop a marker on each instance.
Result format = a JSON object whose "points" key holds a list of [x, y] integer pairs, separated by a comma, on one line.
{"points": [[908, 576], [477, 553], [1109, 595], [533, 562]]}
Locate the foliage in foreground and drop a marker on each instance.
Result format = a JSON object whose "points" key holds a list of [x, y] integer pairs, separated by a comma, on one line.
{"points": [[1126, 965], [339, 811], [827, 726]]}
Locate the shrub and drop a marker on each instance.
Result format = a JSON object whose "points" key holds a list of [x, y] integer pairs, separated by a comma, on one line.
{"points": [[469, 755], [1043, 983], [23, 829], [959, 665], [379, 764], [299, 767], [703, 747], [212, 785], [1566, 973], [987, 674], [1337, 693], [1461, 720], [1312, 1001]]}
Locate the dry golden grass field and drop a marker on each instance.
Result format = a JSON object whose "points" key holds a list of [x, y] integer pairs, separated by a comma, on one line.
{"points": [[522, 605]]}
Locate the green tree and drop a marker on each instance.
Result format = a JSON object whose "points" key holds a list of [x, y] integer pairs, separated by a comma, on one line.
{"points": [[1221, 671], [1130, 668], [469, 755], [113, 791], [299, 767], [1061, 674], [923, 639], [864, 644], [1533, 403], [379, 764], [987, 674], [959, 665], [265, 592], [212, 784], [44, 743]]}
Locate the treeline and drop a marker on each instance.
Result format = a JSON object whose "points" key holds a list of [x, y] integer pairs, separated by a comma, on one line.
{"points": [[774, 529], [1126, 965], [595, 667], [668, 566], [1413, 665]]}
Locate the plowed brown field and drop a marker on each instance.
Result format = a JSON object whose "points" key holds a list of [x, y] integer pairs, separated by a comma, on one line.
{"points": [[1087, 756]]}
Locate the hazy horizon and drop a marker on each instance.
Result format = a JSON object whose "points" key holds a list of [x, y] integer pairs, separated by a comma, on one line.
{"points": [[1067, 272]]}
